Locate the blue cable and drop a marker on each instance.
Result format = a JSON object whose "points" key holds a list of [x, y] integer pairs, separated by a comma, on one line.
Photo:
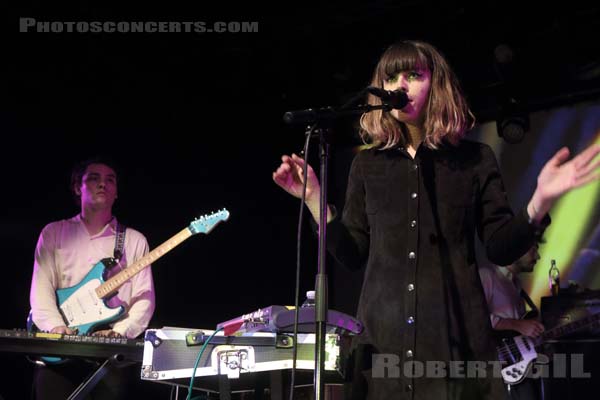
{"points": [[198, 361]]}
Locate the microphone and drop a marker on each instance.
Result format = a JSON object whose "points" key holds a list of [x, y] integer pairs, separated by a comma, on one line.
{"points": [[397, 99]]}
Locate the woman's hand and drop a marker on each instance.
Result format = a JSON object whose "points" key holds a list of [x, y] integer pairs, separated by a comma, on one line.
{"points": [[289, 176], [559, 176]]}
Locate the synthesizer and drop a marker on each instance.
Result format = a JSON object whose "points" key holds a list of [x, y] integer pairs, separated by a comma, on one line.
{"points": [[84, 346], [281, 319]]}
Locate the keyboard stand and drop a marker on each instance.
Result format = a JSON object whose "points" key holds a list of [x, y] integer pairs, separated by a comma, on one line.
{"points": [[88, 385]]}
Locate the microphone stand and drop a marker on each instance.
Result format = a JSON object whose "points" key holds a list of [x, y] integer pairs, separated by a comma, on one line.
{"points": [[311, 116], [321, 295]]}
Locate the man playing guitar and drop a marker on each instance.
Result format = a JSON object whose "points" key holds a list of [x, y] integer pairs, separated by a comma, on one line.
{"points": [[65, 253], [507, 306]]}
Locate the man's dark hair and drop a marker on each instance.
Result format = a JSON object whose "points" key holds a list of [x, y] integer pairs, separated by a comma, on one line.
{"points": [[539, 237], [79, 170]]}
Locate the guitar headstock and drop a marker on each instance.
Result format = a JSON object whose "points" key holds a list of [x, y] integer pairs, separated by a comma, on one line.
{"points": [[206, 223]]}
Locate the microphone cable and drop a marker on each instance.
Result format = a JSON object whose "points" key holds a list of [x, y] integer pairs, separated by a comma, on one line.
{"points": [[298, 258]]}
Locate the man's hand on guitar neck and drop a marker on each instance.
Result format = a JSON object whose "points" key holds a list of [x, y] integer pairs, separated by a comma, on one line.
{"points": [[526, 327], [529, 327]]}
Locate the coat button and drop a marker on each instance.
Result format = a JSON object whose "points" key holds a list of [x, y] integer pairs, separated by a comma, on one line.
{"points": [[410, 320], [412, 255], [410, 287], [409, 353], [413, 223], [413, 195], [415, 167]]}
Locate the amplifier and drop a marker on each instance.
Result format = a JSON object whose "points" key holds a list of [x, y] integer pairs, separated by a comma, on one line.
{"points": [[569, 307], [170, 354]]}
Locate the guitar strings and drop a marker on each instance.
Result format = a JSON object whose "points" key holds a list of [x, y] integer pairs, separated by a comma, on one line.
{"points": [[508, 348]]}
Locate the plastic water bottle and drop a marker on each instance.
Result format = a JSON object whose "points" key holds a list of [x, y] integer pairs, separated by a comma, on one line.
{"points": [[310, 299]]}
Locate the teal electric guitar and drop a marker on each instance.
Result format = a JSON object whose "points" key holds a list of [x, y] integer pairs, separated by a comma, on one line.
{"points": [[84, 307]]}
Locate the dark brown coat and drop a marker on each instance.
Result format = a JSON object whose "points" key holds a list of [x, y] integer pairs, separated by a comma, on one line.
{"points": [[413, 222]]}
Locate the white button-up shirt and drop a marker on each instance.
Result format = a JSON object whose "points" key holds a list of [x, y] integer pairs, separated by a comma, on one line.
{"points": [[64, 255]]}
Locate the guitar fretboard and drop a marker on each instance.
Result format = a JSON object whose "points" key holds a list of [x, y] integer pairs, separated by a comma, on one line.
{"points": [[572, 327], [114, 283]]}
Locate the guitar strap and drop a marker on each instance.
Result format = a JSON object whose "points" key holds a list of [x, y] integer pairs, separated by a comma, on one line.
{"points": [[534, 310], [119, 242]]}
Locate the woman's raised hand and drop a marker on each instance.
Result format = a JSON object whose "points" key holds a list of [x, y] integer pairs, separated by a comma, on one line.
{"points": [[561, 175], [289, 176]]}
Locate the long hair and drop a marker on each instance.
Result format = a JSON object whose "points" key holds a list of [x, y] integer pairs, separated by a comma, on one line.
{"points": [[447, 114]]}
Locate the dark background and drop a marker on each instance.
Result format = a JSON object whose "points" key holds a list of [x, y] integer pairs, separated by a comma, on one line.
{"points": [[195, 123]]}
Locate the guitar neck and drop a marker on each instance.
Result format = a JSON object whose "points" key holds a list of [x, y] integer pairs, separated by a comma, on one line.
{"points": [[569, 328], [114, 283]]}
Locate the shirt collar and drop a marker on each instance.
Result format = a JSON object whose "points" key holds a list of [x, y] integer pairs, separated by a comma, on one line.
{"points": [[514, 278], [108, 230]]}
